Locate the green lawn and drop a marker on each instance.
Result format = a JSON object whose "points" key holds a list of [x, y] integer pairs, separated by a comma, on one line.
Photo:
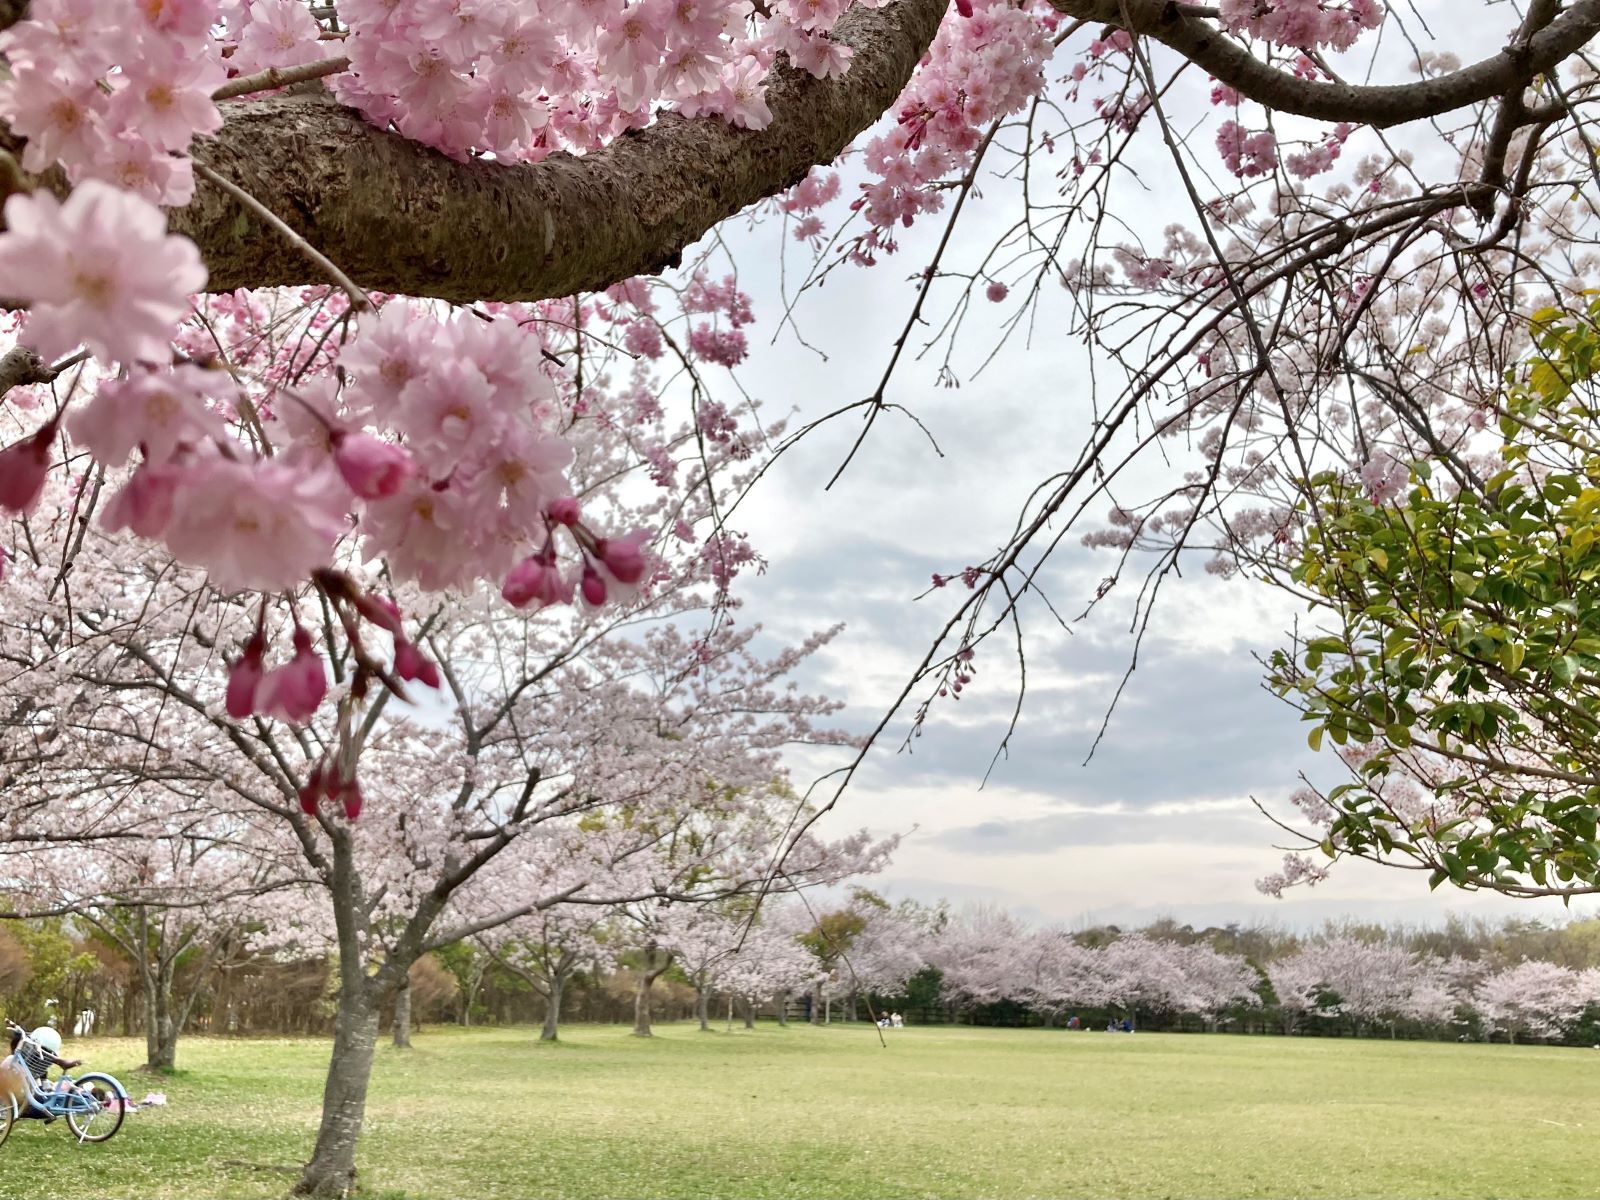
{"points": [[830, 1113]]}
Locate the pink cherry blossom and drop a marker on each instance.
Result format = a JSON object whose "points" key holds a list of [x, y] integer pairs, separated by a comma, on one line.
{"points": [[158, 410], [257, 526], [277, 33], [410, 663], [98, 269]]}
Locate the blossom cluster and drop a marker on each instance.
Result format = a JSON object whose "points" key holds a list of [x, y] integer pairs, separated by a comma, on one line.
{"points": [[114, 95], [520, 81], [1305, 24], [983, 64]]}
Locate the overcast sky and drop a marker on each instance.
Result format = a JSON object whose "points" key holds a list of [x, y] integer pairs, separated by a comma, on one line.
{"points": [[1161, 821]]}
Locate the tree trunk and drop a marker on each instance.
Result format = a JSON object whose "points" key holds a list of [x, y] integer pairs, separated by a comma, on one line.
{"points": [[641, 1005], [332, 1169], [850, 1008], [816, 1004], [160, 1032], [702, 1007], [783, 1010], [641, 998], [552, 1008], [472, 994], [402, 1014], [749, 1007]]}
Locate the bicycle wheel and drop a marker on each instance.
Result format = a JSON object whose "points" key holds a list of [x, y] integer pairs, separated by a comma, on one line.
{"points": [[99, 1123]]}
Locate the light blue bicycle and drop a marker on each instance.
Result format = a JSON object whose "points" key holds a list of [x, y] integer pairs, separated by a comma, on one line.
{"points": [[94, 1103]]}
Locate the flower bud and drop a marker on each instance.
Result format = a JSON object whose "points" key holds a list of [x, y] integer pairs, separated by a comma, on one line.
{"points": [[244, 676], [23, 468], [374, 469]]}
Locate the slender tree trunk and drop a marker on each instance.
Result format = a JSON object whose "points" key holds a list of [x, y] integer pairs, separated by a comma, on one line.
{"points": [[641, 1005], [332, 1169], [160, 1032], [654, 964], [749, 1007], [783, 1010], [552, 1008], [702, 1007], [471, 995], [402, 1014], [816, 1003], [850, 1008]]}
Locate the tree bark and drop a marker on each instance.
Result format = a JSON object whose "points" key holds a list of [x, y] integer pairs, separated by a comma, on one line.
{"points": [[160, 1038], [552, 1008], [655, 962], [850, 1008], [331, 1172], [1197, 38], [816, 1004], [402, 1013], [332, 1169], [783, 1010], [748, 1007], [702, 1007]]}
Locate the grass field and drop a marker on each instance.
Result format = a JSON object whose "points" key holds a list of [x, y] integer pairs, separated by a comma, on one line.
{"points": [[805, 1112]]}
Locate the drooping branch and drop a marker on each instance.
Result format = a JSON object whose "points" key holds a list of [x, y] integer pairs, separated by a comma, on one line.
{"points": [[1200, 41], [398, 217]]}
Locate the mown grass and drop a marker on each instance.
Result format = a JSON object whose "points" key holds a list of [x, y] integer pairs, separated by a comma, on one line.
{"points": [[803, 1112]]}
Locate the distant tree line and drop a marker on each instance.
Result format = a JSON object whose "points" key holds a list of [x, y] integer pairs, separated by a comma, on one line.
{"points": [[1512, 980]]}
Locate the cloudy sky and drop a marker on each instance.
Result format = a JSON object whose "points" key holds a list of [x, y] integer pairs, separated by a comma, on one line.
{"points": [[1161, 821]]}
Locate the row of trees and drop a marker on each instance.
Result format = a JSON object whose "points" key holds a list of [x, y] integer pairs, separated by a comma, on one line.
{"points": [[856, 959], [1453, 982]]}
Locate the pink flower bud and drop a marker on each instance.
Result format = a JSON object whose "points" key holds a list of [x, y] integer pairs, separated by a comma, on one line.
{"points": [[315, 789], [244, 676], [564, 511], [411, 663], [351, 798], [293, 691], [536, 580], [381, 611], [594, 588], [624, 556], [374, 469], [996, 291], [23, 468]]}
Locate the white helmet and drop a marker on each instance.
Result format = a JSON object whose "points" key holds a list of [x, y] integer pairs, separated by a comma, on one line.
{"points": [[47, 1038]]}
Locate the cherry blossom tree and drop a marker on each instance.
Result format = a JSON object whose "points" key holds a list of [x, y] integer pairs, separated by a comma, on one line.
{"points": [[771, 963], [545, 949], [1535, 999], [725, 857], [981, 954], [1369, 982]]}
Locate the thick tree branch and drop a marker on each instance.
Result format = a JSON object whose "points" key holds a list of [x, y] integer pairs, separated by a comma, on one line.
{"points": [[401, 218], [1220, 55]]}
